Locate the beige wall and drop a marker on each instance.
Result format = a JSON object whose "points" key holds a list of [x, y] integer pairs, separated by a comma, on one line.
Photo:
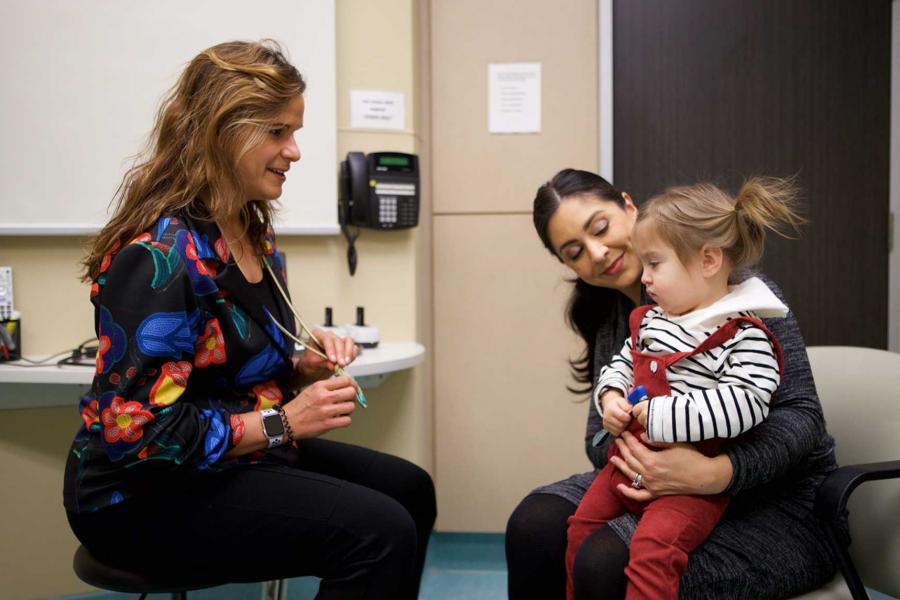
{"points": [[504, 422], [375, 50]]}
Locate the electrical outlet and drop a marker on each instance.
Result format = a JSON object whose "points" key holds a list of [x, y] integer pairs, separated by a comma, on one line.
{"points": [[6, 293]]}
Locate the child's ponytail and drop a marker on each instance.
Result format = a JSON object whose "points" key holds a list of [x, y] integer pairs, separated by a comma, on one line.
{"points": [[690, 216], [762, 203]]}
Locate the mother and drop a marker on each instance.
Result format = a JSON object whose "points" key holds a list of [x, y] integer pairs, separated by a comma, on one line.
{"points": [[769, 544]]}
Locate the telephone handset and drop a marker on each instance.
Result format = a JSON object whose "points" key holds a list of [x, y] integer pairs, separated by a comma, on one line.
{"points": [[378, 191]]}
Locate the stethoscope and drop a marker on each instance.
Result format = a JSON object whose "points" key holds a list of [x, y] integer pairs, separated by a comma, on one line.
{"points": [[338, 370]]}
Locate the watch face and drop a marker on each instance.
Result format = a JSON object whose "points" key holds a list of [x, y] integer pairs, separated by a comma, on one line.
{"points": [[273, 425]]}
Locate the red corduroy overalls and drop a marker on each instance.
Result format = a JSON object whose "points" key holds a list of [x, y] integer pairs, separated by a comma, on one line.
{"points": [[671, 527]]}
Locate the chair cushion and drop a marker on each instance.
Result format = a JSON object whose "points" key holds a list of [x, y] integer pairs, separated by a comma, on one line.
{"points": [[836, 589], [116, 579], [858, 388]]}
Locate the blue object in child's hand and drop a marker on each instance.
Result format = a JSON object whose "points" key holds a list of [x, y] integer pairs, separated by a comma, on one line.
{"points": [[638, 394]]}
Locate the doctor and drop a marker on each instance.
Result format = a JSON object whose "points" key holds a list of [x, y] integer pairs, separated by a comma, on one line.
{"points": [[197, 453]]}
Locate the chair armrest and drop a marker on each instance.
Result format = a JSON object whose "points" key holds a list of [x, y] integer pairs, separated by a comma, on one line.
{"points": [[831, 499]]}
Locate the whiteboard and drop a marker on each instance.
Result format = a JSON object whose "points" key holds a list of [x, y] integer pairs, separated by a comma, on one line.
{"points": [[83, 79]]}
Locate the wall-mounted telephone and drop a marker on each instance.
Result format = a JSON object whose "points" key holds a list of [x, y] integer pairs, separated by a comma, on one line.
{"points": [[378, 191]]}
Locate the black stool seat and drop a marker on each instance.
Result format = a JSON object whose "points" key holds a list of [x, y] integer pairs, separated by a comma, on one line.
{"points": [[99, 574]]}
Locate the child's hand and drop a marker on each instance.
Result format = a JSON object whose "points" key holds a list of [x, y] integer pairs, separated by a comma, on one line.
{"points": [[639, 411], [616, 411]]}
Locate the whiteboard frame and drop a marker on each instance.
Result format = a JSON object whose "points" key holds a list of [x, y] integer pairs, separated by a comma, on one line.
{"points": [[78, 229]]}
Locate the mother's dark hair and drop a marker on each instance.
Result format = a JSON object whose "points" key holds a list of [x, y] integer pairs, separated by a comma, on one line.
{"points": [[588, 305]]}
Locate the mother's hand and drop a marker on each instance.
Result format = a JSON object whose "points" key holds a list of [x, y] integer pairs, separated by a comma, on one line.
{"points": [[674, 469]]}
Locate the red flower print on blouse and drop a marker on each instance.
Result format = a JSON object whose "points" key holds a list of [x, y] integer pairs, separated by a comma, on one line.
{"points": [[104, 264], [102, 348], [171, 383], [222, 249], [210, 266], [144, 237], [148, 451], [267, 394], [124, 421], [210, 346], [191, 251], [91, 414]]}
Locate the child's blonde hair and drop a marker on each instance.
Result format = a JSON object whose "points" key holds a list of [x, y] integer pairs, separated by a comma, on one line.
{"points": [[688, 217]]}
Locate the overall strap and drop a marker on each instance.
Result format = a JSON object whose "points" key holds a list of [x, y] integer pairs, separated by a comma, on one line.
{"points": [[730, 329], [635, 320]]}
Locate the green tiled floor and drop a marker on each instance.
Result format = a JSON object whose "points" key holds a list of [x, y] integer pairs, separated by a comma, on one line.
{"points": [[458, 565], [464, 565], [469, 566]]}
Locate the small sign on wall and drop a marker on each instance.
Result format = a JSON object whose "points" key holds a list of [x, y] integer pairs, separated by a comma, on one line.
{"points": [[514, 98], [377, 110]]}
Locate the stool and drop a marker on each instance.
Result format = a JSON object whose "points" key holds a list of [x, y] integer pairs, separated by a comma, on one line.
{"points": [[99, 574]]}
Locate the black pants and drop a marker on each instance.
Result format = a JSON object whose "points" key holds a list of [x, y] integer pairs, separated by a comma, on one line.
{"points": [[536, 549], [357, 518]]}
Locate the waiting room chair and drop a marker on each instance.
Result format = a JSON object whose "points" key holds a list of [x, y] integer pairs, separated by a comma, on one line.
{"points": [[860, 393]]}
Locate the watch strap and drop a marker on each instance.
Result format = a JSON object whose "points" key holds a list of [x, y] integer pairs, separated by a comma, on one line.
{"points": [[289, 432]]}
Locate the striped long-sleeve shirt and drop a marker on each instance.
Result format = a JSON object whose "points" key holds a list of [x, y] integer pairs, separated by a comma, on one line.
{"points": [[720, 393]]}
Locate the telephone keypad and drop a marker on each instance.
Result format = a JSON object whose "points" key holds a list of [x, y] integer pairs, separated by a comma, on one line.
{"points": [[387, 209]]}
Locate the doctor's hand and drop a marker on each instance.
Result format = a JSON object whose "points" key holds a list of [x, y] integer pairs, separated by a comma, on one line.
{"points": [[339, 350], [321, 407]]}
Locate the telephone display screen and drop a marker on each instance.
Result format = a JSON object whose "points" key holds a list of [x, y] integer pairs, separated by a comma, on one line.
{"points": [[393, 161]]}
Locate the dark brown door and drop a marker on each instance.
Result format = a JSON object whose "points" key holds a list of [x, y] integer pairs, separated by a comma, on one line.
{"points": [[718, 90]]}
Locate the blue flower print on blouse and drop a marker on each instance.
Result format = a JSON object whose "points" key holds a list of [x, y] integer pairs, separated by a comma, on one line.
{"points": [[204, 250], [112, 342], [215, 443], [273, 330], [262, 367], [199, 275], [268, 363], [161, 226], [170, 334]]}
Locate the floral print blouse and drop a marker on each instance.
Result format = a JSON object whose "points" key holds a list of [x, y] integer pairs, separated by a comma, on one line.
{"points": [[184, 342]]}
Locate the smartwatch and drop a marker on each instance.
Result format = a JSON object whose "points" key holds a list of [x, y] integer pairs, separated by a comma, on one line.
{"points": [[273, 427]]}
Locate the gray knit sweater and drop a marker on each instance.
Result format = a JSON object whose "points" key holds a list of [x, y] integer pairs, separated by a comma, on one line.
{"points": [[769, 544]]}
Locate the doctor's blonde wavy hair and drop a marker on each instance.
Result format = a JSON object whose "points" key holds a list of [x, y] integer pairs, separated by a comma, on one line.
{"points": [[219, 109]]}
